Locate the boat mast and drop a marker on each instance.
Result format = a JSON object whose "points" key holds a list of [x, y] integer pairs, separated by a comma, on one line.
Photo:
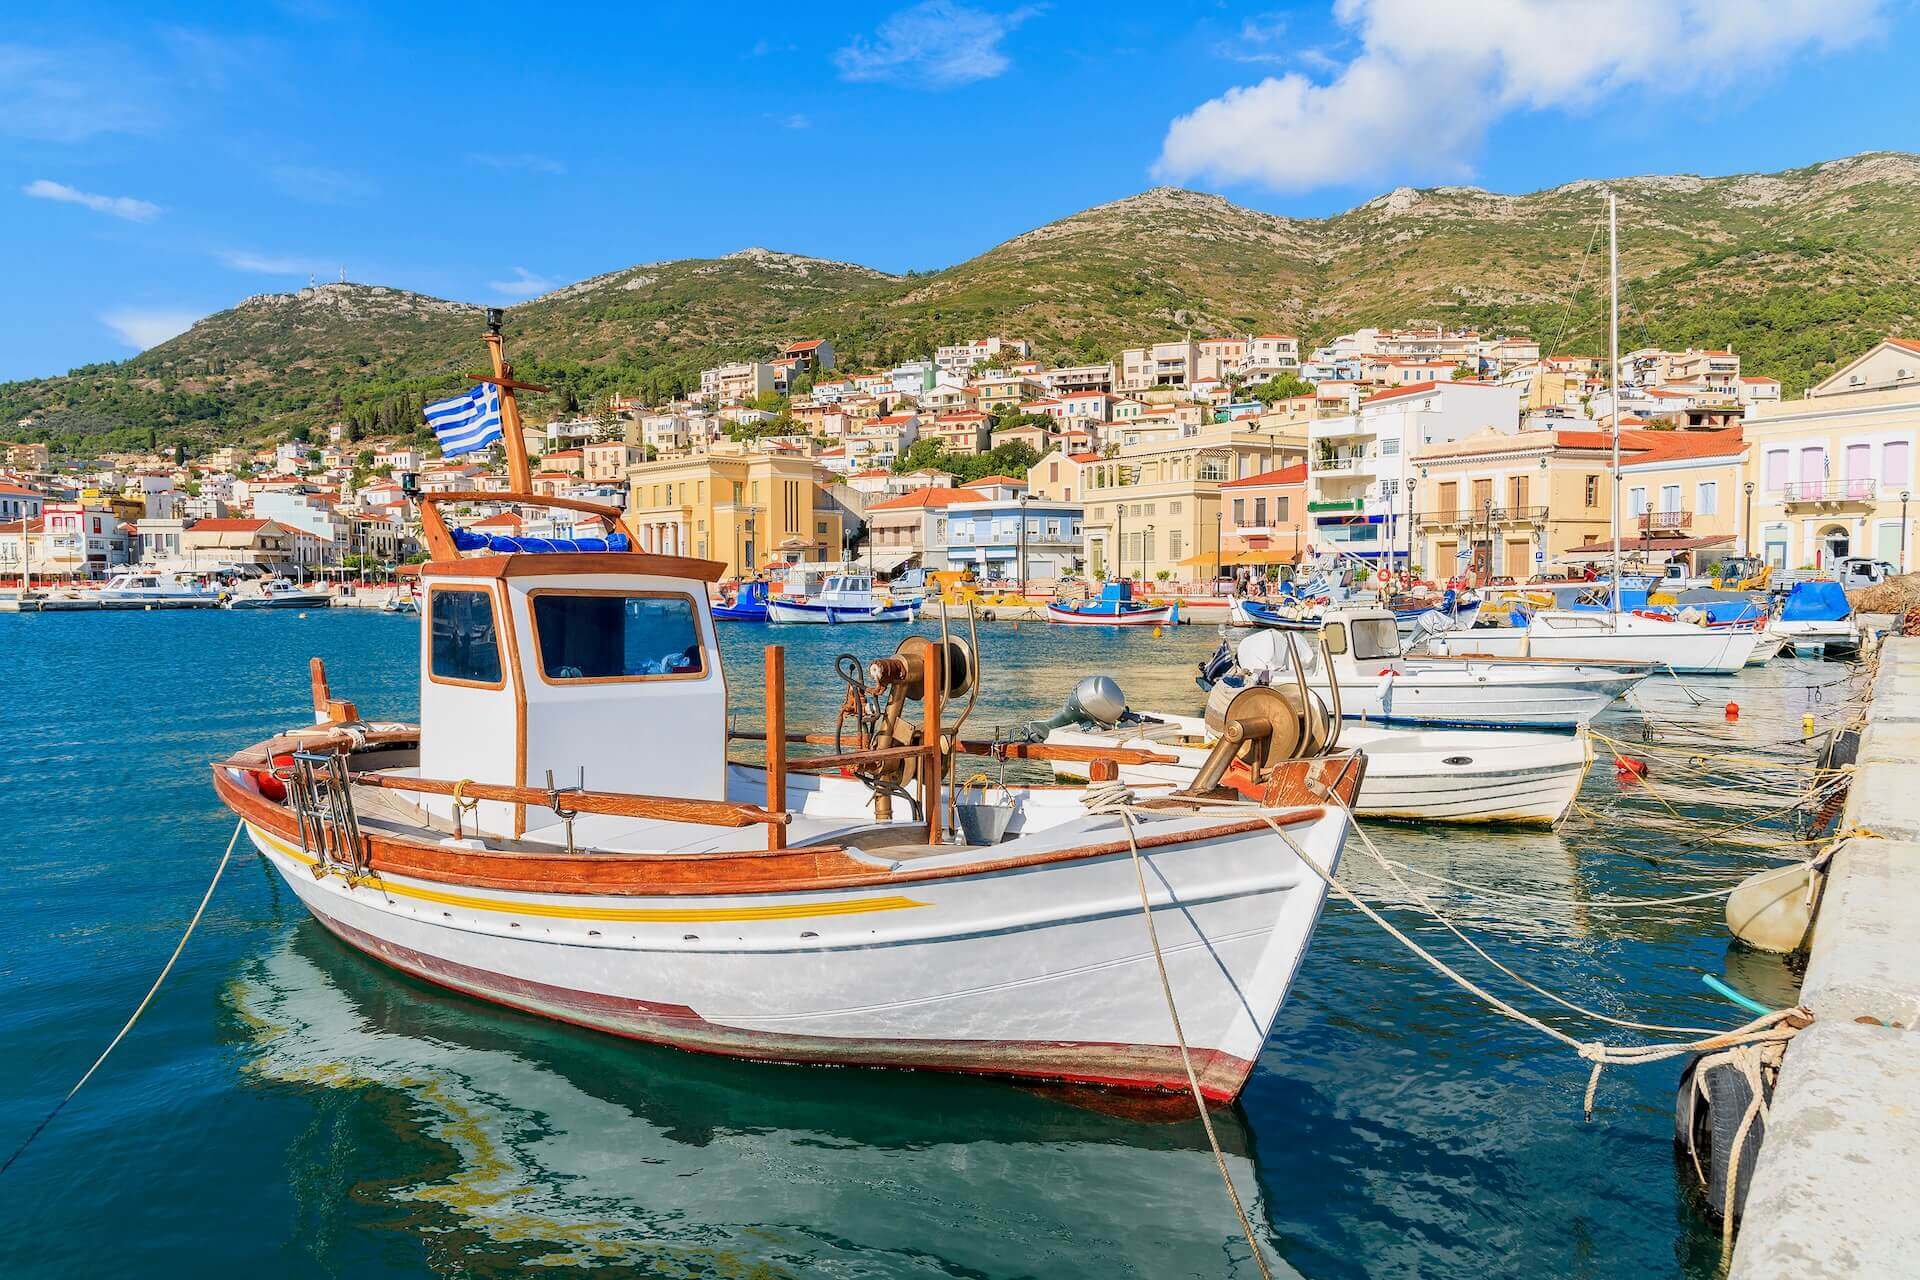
{"points": [[519, 474], [1613, 366]]}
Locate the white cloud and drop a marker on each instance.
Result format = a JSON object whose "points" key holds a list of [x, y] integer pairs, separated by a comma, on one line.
{"points": [[525, 162], [144, 327], [1430, 80], [1261, 38], [524, 285], [933, 45], [271, 264], [118, 206], [318, 185], [792, 120], [71, 95]]}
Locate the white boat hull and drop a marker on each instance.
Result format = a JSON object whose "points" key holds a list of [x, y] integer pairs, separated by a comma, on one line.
{"points": [[834, 615], [1442, 776], [1040, 971], [1602, 637], [1817, 637]]}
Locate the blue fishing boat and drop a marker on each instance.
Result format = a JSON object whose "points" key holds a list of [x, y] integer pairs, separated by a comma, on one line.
{"points": [[749, 604], [1817, 620], [1113, 607]]}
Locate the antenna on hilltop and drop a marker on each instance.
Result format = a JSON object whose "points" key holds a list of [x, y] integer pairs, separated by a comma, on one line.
{"points": [[343, 273]]}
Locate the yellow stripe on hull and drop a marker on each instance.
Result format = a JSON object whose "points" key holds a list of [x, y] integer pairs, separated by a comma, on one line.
{"points": [[629, 915]]}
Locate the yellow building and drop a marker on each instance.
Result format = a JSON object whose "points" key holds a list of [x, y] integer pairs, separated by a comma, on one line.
{"points": [[1680, 494], [1833, 473], [744, 509], [1154, 507], [1508, 504]]}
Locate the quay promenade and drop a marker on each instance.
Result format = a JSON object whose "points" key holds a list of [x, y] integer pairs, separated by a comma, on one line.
{"points": [[1833, 1189]]}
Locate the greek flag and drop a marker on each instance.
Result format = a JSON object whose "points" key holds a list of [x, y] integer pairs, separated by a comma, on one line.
{"points": [[468, 423]]}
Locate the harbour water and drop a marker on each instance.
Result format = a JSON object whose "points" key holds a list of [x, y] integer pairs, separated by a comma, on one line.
{"points": [[286, 1104]]}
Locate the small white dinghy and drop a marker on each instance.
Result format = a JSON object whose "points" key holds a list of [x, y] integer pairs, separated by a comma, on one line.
{"points": [[1424, 775]]}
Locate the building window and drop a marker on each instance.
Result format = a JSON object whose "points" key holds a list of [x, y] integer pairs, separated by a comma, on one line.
{"points": [[1593, 491], [1260, 513], [1895, 469], [1706, 498], [1239, 511], [1637, 501], [1776, 470], [1280, 509]]}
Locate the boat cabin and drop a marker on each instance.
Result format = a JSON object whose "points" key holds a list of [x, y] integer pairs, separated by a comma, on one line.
{"points": [[1355, 638], [571, 663]]}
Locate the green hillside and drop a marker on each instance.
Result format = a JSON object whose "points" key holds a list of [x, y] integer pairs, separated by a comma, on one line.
{"points": [[1796, 271]]}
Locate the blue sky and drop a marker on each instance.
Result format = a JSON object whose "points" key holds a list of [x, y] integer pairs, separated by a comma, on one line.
{"points": [[156, 167]]}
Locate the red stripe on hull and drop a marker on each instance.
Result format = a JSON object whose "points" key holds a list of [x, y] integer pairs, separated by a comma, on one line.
{"points": [[1150, 1068]]}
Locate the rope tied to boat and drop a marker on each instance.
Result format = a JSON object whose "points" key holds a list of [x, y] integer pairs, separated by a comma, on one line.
{"points": [[1111, 799], [1778, 1026], [139, 1009]]}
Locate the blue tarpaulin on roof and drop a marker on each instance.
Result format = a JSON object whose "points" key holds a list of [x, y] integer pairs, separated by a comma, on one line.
{"points": [[1816, 602]]}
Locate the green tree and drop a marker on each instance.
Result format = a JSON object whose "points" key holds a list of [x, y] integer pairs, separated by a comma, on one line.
{"points": [[1284, 387]]}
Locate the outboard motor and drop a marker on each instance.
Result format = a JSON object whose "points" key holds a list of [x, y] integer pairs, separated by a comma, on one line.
{"points": [[1095, 700], [1215, 668]]}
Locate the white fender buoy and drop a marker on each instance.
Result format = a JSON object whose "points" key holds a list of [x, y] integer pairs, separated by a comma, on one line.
{"points": [[1772, 910]]}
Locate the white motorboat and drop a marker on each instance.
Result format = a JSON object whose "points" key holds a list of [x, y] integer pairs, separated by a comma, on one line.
{"points": [[164, 587], [1817, 620], [773, 911], [278, 593], [847, 597], [1378, 682], [1425, 775], [1594, 636]]}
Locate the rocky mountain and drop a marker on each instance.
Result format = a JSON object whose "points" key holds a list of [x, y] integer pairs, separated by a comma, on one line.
{"points": [[1795, 270]]}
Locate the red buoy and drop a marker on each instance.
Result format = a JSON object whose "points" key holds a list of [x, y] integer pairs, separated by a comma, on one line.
{"points": [[270, 787], [1628, 769], [1733, 711]]}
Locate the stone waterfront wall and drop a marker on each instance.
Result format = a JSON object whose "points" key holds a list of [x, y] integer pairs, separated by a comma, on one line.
{"points": [[1836, 1191]]}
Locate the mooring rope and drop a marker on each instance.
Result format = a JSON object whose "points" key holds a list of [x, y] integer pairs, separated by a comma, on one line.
{"points": [[1775, 1027], [1104, 798], [141, 1008]]}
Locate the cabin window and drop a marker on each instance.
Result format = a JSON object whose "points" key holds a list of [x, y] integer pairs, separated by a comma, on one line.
{"points": [[1375, 638], [617, 636], [1335, 634], [465, 648]]}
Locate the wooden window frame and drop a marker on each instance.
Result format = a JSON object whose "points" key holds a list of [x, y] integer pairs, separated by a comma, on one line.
{"points": [[499, 650], [707, 664]]}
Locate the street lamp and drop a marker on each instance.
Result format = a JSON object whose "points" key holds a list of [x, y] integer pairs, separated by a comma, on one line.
{"points": [[1904, 495], [1146, 549], [1746, 536]]}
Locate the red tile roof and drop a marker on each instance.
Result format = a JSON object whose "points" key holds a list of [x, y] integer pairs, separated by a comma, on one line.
{"points": [[505, 520], [1084, 457], [808, 345], [988, 481], [16, 491], [229, 526], [1677, 446], [1292, 473], [1905, 344], [937, 495]]}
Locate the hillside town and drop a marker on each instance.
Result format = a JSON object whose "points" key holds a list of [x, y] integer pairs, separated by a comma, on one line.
{"points": [[1436, 453]]}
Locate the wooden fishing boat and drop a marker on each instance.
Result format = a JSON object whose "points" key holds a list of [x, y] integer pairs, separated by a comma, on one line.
{"points": [[1113, 607], [564, 833]]}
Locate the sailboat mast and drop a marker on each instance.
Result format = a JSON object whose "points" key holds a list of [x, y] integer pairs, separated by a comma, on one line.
{"points": [[1613, 366]]}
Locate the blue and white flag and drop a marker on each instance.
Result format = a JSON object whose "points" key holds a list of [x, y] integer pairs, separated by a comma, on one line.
{"points": [[468, 423]]}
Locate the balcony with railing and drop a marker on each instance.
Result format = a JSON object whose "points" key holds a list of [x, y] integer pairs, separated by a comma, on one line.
{"points": [[1827, 492], [1659, 522], [1482, 516]]}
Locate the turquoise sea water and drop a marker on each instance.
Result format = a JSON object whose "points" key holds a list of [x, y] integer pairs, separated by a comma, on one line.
{"points": [[288, 1105]]}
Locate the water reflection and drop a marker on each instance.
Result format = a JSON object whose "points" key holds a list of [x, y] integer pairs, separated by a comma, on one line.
{"points": [[520, 1141]]}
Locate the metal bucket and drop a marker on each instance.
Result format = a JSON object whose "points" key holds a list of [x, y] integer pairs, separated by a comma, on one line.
{"points": [[983, 824]]}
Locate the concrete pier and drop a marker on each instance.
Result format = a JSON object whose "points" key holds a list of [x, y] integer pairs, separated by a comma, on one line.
{"points": [[1836, 1190]]}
